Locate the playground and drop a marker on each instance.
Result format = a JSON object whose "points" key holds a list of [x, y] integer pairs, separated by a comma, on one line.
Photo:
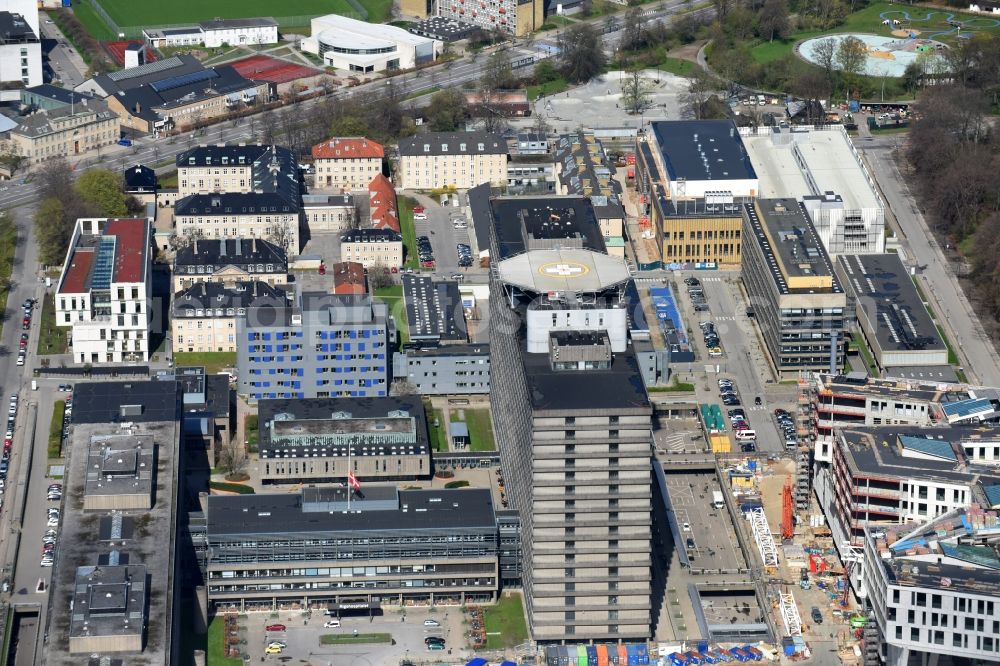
{"points": [[887, 56]]}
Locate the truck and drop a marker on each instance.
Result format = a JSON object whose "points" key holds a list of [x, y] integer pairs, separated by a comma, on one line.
{"points": [[717, 501]]}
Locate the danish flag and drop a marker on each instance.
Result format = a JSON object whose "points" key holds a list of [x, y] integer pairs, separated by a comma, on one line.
{"points": [[352, 481]]}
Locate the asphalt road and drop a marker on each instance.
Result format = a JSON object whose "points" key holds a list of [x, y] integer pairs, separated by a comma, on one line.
{"points": [[976, 351], [61, 62]]}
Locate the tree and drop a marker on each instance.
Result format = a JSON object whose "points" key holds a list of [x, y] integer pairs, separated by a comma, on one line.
{"points": [[52, 231], [447, 110], [233, 458], [852, 54], [774, 20], [545, 71], [633, 31], [280, 233], [379, 277], [12, 161], [349, 126], [699, 92], [581, 53], [498, 74], [825, 54], [103, 190], [636, 92]]}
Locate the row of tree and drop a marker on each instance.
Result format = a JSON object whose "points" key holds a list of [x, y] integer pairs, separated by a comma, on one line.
{"points": [[954, 154], [96, 193]]}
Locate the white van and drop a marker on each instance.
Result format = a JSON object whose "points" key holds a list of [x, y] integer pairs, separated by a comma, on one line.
{"points": [[746, 436]]}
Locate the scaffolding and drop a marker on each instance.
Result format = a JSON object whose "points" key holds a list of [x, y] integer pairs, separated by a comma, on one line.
{"points": [[790, 614], [762, 537]]}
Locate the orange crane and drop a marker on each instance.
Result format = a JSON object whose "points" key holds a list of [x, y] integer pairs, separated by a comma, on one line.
{"points": [[787, 511]]}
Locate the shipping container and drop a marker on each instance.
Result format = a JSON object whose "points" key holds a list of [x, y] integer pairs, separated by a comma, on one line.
{"points": [[677, 659], [591, 655], [602, 655], [754, 652], [693, 658], [552, 656], [707, 658], [622, 655], [740, 655]]}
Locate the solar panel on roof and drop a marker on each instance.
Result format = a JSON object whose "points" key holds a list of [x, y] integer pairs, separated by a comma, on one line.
{"points": [[931, 447], [966, 408], [148, 68], [183, 80]]}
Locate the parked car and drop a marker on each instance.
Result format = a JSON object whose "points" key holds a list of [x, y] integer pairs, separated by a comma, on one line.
{"points": [[431, 623], [331, 624], [275, 627], [817, 616]]}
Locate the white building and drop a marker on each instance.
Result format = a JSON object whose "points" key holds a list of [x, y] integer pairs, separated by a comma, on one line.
{"points": [[239, 32], [104, 290], [822, 169], [355, 46], [20, 48], [216, 33], [934, 590]]}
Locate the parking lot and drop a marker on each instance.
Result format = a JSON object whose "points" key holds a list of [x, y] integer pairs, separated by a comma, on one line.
{"points": [[406, 629], [741, 360], [439, 227], [709, 537]]}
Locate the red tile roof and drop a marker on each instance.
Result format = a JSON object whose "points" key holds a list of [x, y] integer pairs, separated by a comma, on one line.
{"points": [[348, 278], [77, 277], [347, 148], [382, 203], [130, 250]]}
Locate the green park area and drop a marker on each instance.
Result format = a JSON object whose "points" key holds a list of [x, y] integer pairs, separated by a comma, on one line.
{"points": [[127, 13], [506, 626], [929, 22], [393, 297], [213, 362], [480, 428]]}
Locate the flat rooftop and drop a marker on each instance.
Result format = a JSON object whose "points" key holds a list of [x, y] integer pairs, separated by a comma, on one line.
{"points": [[335, 426], [907, 452], [967, 546], [890, 302], [109, 601], [564, 270], [618, 387], [378, 508], [120, 465], [797, 259], [513, 217], [117, 254], [797, 162], [921, 390], [702, 150], [122, 402], [434, 309]]}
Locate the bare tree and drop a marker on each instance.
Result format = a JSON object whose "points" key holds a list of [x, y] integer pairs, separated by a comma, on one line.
{"points": [[851, 56], [379, 277], [280, 233], [403, 387], [825, 53], [233, 458], [636, 90]]}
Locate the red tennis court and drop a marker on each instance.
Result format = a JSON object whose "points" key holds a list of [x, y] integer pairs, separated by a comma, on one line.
{"points": [[263, 68], [117, 51]]}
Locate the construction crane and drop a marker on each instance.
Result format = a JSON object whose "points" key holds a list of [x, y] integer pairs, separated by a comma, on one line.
{"points": [[787, 511]]}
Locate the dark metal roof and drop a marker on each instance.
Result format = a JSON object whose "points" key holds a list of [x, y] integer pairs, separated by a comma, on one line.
{"points": [[232, 251], [120, 402], [415, 510], [451, 143], [702, 150]]}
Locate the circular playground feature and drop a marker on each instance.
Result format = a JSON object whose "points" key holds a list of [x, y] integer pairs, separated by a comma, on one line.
{"points": [[887, 56]]}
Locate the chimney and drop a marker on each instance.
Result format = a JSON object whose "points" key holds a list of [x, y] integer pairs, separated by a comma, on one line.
{"points": [[255, 288], [222, 247], [196, 246], [138, 108], [253, 243]]}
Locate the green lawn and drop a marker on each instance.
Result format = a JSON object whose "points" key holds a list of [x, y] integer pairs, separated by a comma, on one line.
{"points": [[677, 66], [548, 88], [240, 488], [55, 429], [251, 430], [858, 341], [505, 623], [138, 14], [354, 639], [869, 20], [405, 205], [676, 386], [437, 435], [169, 181], [51, 338], [213, 362], [480, 428], [423, 91], [94, 24], [215, 655], [393, 297], [8, 242]]}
